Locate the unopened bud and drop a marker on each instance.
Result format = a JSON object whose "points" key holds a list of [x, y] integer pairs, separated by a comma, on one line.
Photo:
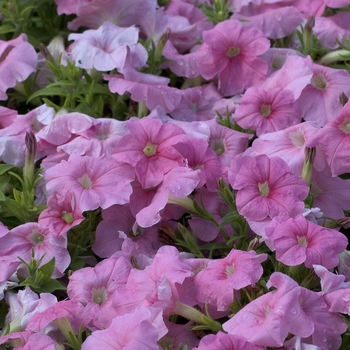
{"points": [[28, 170], [161, 43], [46, 53], [310, 154]]}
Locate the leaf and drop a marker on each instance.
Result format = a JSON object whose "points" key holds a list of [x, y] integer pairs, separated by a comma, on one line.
{"points": [[6, 28], [47, 269], [54, 91], [5, 167], [51, 286]]}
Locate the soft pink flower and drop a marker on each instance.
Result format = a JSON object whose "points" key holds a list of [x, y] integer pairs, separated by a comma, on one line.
{"points": [[47, 320], [266, 187], [298, 241], [329, 29], [95, 287], [294, 75], [23, 305], [139, 330], [199, 156], [62, 214], [267, 320], [334, 141], [230, 50], [224, 341], [179, 182], [319, 101], [217, 282], [99, 139], [22, 239], [159, 285], [149, 148], [92, 14], [117, 227], [289, 144], [331, 194], [273, 19], [201, 103], [107, 48], [94, 182], [267, 111], [147, 88], [18, 59], [227, 143]]}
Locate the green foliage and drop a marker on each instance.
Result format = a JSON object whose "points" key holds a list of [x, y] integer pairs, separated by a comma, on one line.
{"points": [[218, 11], [39, 278], [36, 18]]}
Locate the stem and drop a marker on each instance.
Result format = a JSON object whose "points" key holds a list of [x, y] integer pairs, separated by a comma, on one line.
{"points": [[334, 56]]}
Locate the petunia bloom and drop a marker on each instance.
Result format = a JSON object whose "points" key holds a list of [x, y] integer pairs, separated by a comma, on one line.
{"points": [[216, 283], [298, 241], [230, 51], [94, 182], [266, 187], [107, 48]]}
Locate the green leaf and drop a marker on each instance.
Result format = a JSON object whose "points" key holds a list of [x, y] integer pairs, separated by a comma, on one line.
{"points": [[6, 28], [54, 91], [5, 167], [47, 269], [50, 286]]}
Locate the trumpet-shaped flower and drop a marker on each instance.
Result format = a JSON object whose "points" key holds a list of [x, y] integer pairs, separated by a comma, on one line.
{"points": [[107, 48], [94, 288], [267, 111], [216, 283], [334, 140], [149, 148], [18, 59], [298, 241], [230, 50], [21, 240], [94, 182], [140, 330], [266, 187]]}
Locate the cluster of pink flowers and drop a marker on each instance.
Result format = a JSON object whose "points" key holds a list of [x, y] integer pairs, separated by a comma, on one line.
{"points": [[259, 260]]}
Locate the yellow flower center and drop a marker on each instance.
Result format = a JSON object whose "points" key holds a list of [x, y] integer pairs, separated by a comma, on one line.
{"points": [[150, 149], [233, 51]]}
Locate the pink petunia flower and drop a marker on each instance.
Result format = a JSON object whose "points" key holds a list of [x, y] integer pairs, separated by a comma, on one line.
{"points": [[217, 282], [22, 239], [95, 287], [289, 144], [94, 182], [18, 59], [149, 148], [224, 341], [92, 14], [151, 89], [334, 139], [267, 320], [266, 187], [273, 19], [140, 330], [298, 241], [331, 194], [159, 285], [267, 111], [329, 29], [319, 101], [107, 48], [62, 214], [230, 50]]}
